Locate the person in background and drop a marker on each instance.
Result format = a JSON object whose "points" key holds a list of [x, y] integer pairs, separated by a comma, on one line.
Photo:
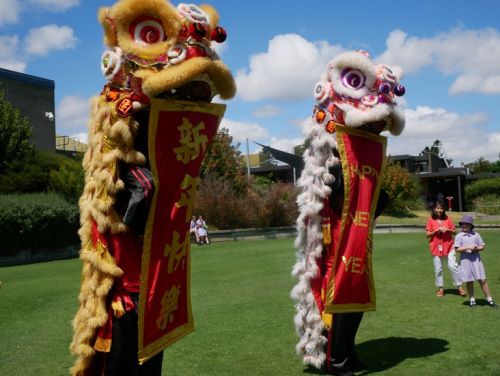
{"points": [[193, 229], [202, 236], [440, 230], [469, 243], [200, 223]]}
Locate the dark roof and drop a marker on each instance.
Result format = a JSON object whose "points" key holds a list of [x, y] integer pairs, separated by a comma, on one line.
{"points": [[271, 168], [291, 159], [26, 78], [443, 173]]}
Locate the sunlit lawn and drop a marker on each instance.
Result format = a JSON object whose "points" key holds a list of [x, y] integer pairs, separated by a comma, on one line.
{"points": [[244, 317]]}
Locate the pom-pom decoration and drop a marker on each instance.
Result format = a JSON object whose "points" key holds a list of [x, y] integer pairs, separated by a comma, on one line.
{"points": [[218, 35], [111, 62]]}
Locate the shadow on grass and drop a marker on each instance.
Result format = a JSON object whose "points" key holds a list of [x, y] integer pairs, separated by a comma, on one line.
{"points": [[479, 302], [382, 354], [451, 292]]}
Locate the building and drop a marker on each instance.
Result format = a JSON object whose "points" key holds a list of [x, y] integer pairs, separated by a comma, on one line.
{"points": [[288, 171], [438, 179], [34, 97]]}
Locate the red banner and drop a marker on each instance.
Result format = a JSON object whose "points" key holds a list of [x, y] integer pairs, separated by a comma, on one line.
{"points": [[350, 286], [179, 133]]}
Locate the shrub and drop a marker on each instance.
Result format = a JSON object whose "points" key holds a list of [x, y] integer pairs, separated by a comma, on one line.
{"points": [[68, 180], [44, 171], [402, 188], [264, 204], [37, 220], [482, 187], [487, 204]]}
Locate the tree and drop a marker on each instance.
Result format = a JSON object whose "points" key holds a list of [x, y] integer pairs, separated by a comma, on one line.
{"points": [[402, 189], [436, 149], [266, 158], [15, 132], [223, 161], [482, 165]]}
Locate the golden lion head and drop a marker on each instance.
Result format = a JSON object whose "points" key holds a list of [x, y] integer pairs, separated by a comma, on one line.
{"points": [[157, 50]]}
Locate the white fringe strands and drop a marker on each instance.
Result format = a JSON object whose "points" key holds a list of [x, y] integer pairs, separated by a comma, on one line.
{"points": [[318, 158]]}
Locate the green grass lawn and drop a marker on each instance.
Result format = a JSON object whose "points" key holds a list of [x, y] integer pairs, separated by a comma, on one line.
{"points": [[244, 317]]}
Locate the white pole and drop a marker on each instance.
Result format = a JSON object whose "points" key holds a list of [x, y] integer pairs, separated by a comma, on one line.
{"points": [[248, 160]]}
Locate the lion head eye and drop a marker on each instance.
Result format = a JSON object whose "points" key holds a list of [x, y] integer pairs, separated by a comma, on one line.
{"points": [[352, 78], [147, 30]]}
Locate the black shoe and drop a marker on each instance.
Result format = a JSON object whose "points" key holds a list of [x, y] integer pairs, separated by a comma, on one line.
{"points": [[341, 369], [472, 304], [492, 304]]}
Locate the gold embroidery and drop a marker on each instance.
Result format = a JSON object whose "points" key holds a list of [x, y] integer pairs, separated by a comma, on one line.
{"points": [[192, 141], [169, 304]]}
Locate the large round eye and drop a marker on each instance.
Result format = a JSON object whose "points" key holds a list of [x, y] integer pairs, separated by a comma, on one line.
{"points": [[147, 30], [352, 78]]}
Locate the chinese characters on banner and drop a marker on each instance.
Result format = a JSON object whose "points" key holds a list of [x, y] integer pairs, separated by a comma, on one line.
{"points": [[179, 134], [350, 285]]}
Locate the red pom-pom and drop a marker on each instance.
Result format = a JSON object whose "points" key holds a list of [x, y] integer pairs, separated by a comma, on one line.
{"points": [[218, 34], [197, 31]]}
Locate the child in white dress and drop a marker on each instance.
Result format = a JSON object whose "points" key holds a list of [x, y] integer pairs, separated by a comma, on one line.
{"points": [[469, 244]]}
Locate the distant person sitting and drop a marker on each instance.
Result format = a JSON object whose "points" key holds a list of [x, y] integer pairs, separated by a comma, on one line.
{"points": [[200, 223], [193, 229], [202, 236]]}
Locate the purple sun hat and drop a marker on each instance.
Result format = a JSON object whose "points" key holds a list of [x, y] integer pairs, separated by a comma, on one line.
{"points": [[467, 219]]}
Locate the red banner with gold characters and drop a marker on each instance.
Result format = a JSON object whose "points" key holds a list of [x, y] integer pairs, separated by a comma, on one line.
{"points": [[350, 286], [179, 133]]}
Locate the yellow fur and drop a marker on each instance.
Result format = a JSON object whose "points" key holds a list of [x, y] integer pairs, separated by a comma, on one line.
{"points": [[111, 140]]}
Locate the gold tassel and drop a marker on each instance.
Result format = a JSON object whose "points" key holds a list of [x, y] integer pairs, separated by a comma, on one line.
{"points": [[102, 344], [118, 309]]}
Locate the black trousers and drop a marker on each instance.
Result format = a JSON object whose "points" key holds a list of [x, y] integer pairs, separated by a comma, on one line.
{"points": [[122, 360], [345, 327]]}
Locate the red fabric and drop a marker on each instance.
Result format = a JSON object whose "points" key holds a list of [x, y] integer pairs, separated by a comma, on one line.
{"points": [[440, 244], [181, 137], [126, 248], [349, 285]]}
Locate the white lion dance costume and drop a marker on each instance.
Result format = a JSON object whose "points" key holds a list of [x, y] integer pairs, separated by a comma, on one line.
{"points": [[148, 133], [340, 189]]}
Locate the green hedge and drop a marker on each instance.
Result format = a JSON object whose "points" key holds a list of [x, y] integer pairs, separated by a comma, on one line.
{"points": [[487, 204], [482, 187], [37, 220]]}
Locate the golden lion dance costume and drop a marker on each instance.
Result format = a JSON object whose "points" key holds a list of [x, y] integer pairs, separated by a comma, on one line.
{"points": [[340, 186], [148, 133]]}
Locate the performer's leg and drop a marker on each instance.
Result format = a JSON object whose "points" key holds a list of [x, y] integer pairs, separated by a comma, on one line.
{"points": [[354, 321], [345, 328], [122, 359]]}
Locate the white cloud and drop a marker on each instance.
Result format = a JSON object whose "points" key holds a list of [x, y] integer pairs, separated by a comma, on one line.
{"points": [[9, 49], [240, 131], [288, 70], [41, 41], [471, 55], [285, 144], [9, 12], [464, 136], [81, 137], [72, 115], [55, 5], [266, 111]]}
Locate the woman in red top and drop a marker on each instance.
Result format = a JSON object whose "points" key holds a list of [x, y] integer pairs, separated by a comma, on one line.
{"points": [[440, 230]]}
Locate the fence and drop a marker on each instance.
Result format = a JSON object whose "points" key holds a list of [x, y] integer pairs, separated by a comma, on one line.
{"points": [[27, 256]]}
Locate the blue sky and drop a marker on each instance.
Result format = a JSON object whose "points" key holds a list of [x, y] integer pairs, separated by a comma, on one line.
{"points": [[277, 50]]}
